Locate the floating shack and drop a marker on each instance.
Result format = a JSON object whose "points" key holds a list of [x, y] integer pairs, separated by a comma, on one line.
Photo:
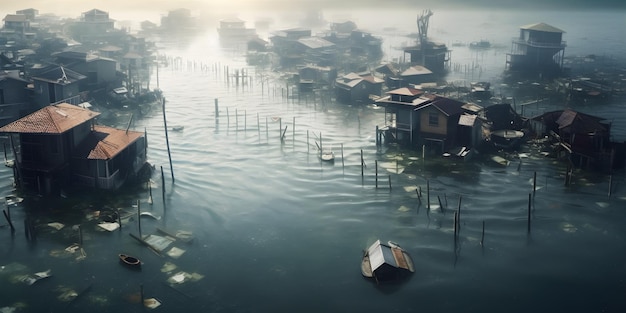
{"points": [[386, 262], [539, 47], [434, 56]]}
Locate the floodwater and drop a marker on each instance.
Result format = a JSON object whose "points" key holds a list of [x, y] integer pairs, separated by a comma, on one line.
{"points": [[277, 230]]}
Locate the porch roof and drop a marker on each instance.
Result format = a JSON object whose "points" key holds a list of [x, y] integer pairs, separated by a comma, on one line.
{"points": [[104, 143]]}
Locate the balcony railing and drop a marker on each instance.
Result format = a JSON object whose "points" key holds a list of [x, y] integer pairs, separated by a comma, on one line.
{"points": [[540, 44]]}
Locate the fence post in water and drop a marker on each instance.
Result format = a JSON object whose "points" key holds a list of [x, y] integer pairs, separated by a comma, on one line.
{"points": [[139, 218], [428, 195], [227, 119], [376, 167], [441, 205], [217, 110], [377, 141], [389, 182], [8, 217], [343, 165], [362, 163], [534, 184], [482, 236], [610, 185], [163, 188], [167, 141], [307, 142], [293, 130], [280, 126], [423, 154], [119, 219], [236, 121], [529, 206]]}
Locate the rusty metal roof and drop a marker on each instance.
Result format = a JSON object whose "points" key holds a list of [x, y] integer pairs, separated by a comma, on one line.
{"points": [[104, 143], [53, 119]]}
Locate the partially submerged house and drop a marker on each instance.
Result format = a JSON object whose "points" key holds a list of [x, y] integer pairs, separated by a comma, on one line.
{"points": [[14, 98], [538, 48], [584, 139], [356, 88], [418, 119], [54, 84], [60, 146]]}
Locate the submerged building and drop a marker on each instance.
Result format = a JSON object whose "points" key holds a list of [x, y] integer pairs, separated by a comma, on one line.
{"points": [[539, 48]]}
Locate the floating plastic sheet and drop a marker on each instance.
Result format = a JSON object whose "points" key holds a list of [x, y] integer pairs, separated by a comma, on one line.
{"points": [[109, 226], [158, 242], [168, 267], [175, 252], [151, 303], [56, 225], [33, 278]]}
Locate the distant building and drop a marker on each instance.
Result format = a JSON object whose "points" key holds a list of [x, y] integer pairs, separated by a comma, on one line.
{"points": [[357, 89], [93, 26], [62, 147], [14, 98], [539, 48], [30, 14], [16, 23]]}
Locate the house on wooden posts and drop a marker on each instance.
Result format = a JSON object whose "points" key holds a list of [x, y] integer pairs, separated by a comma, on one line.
{"points": [[14, 97], [417, 119], [317, 50], [286, 47], [538, 48], [55, 84], [416, 75], [353, 88], [16, 23], [390, 74], [312, 76], [100, 72], [93, 26], [60, 146], [584, 139]]}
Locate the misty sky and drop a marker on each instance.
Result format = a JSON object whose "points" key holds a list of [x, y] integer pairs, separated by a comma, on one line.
{"points": [[71, 8]]}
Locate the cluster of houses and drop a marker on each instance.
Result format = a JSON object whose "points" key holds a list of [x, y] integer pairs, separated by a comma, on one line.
{"points": [[50, 69]]}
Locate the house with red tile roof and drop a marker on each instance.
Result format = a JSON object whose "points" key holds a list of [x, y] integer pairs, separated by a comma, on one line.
{"points": [[60, 147]]}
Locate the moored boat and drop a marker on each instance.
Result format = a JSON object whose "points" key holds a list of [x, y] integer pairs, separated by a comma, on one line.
{"points": [[130, 261]]}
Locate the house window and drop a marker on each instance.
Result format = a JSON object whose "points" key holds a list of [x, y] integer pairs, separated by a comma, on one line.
{"points": [[433, 119]]}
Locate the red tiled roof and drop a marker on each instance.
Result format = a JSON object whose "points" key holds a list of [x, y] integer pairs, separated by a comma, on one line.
{"points": [[104, 142], [52, 119]]}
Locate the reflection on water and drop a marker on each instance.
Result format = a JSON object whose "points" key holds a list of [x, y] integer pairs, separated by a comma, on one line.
{"points": [[275, 229]]}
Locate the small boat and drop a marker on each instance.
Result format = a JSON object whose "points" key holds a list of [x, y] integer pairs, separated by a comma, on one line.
{"points": [[327, 156], [130, 261], [386, 262]]}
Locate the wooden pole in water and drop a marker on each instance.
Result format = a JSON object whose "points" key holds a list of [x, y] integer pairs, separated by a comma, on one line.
{"points": [[8, 218], [236, 120], [459, 210], [428, 194], [456, 227], [217, 110], [280, 126], [441, 205], [293, 130], [529, 206], [343, 165], [610, 185], [139, 218], [167, 141], [482, 236], [362, 163], [163, 188], [389, 182], [119, 219], [534, 184], [376, 167], [377, 141], [307, 141]]}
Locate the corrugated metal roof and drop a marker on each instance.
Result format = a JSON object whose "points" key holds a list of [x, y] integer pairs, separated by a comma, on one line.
{"points": [[416, 70], [59, 75], [104, 143], [542, 27], [315, 42], [405, 91], [467, 120], [53, 119], [380, 254]]}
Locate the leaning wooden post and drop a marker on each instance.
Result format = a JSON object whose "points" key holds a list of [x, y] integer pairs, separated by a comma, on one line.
{"points": [[459, 210], [390, 182], [529, 206], [217, 110], [441, 206], [167, 141], [6, 215]]}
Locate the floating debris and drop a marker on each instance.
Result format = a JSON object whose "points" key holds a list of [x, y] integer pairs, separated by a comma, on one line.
{"points": [[403, 208], [151, 303], [109, 226], [168, 267], [150, 215], [159, 243], [66, 294], [13, 200], [56, 225], [179, 278], [33, 278], [175, 252]]}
